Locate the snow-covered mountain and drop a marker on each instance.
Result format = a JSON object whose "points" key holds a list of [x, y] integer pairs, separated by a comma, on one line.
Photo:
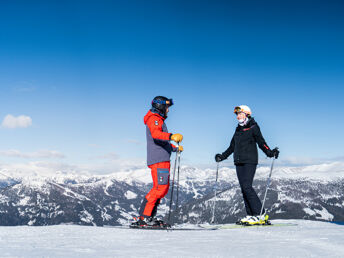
{"points": [[312, 192]]}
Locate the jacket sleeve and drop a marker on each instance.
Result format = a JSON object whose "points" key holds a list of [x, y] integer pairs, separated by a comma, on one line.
{"points": [[155, 126], [229, 150], [174, 148], [260, 140]]}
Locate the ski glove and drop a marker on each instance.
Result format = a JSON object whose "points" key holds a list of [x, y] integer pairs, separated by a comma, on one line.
{"points": [[219, 157], [180, 148], [275, 153], [177, 137]]}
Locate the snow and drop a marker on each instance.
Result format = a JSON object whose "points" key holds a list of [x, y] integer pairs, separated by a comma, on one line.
{"points": [[309, 211], [141, 175], [130, 195], [86, 217], [24, 201], [37, 177], [320, 214], [192, 214], [324, 172], [324, 214], [307, 239]]}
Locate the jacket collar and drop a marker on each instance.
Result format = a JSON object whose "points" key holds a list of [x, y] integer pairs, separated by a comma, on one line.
{"points": [[150, 114]]}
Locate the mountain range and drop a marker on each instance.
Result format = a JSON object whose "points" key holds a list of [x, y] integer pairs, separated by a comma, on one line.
{"points": [[309, 192]]}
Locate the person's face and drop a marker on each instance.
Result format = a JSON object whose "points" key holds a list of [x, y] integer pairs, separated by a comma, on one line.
{"points": [[241, 116]]}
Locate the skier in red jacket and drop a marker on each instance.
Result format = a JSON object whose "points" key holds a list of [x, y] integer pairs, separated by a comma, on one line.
{"points": [[159, 151]]}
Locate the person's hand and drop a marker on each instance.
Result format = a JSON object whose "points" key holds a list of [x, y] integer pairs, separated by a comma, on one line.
{"points": [[180, 148], [275, 153], [177, 137], [219, 157]]}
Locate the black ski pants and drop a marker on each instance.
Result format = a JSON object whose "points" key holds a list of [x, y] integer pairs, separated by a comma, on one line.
{"points": [[245, 173]]}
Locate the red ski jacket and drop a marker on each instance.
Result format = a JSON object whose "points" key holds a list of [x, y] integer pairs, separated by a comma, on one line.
{"points": [[159, 147]]}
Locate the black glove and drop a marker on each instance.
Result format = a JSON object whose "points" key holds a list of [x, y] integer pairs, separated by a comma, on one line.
{"points": [[219, 157], [275, 153]]}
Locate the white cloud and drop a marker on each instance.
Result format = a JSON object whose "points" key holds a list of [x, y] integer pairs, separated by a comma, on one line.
{"points": [[26, 89], [16, 122], [54, 168], [46, 154], [34, 168], [266, 162]]}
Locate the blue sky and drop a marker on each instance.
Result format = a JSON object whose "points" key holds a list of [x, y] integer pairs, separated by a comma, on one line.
{"points": [[85, 72]]}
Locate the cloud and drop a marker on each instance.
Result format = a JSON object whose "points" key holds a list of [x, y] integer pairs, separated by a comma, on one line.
{"points": [[54, 168], [12, 122], [266, 162], [300, 161], [26, 89], [34, 168], [45, 154]]}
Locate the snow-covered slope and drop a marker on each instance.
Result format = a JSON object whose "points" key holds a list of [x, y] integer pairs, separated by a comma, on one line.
{"points": [[307, 239], [312, 192]]}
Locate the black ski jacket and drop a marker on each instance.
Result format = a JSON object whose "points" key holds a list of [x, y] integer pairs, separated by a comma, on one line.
{"points": [[244, 144]]}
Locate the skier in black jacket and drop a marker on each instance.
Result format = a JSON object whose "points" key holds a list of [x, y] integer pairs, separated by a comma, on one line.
{"points": [[244, 145]]}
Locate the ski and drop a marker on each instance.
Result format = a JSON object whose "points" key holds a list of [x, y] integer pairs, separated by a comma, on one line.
{"points": [[173, 228], [236, 226]]}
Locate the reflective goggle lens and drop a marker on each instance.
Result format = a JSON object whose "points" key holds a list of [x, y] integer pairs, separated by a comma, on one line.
{"points": [[237, 110], [169, 102]]}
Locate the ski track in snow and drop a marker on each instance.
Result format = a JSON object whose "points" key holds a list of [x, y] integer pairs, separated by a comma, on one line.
{"points": [[307, 239]]}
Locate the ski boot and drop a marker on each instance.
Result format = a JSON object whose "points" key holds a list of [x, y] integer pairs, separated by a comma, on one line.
{"points": [[258, 220], [140, 222], [161, 223], [243, 221], [264, 219], [148, 222]]}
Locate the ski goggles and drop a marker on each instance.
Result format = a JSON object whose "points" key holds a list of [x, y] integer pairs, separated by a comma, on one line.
{"points": [[168, 102], [238, 110]]}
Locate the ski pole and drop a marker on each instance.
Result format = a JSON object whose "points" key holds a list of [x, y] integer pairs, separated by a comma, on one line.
{"points": [[217, 174], [178, 154], [174, 173], [267, 187]]}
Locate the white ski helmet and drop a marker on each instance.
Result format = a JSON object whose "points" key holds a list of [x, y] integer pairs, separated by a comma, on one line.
{"points": [[243, 108]]}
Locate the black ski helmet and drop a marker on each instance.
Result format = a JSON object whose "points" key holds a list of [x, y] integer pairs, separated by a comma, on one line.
{"points": [[161, 103]]}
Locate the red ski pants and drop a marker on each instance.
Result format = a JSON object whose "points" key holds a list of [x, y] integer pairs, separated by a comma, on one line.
{"points": [[161, 182]]}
